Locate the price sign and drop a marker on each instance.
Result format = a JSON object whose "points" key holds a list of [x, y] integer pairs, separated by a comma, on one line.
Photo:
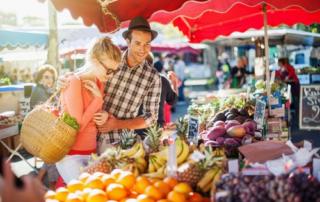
{"points": [[193, 129], [309, 116], [259, 113]]}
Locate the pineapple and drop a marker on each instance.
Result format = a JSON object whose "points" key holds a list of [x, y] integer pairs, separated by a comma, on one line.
{"points": [[182, 128], [152, 141], [108, 161], [127, 139], [100, 165], [192, 171]]}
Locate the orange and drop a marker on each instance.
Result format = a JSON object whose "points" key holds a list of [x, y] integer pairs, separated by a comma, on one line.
{"points": [[170, 181], [176, 197], [61, 194], [130, 200], [111, 201], [116, 173], [86, 192], [127, 179], [154, 180], [163, 200], [107, 179], [50, 195], [75, 185], [194, 197], [183, 188], [74, 198], [97, 195], [141, 184], [83, 177], [133, 194], [153, 192], [94, 183], [163, 187], [145, 198], [116, 191], [98, 174]]}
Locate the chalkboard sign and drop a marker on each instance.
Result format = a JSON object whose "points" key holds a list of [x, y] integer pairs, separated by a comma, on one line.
{"points": [[193, 130], [309, 116], [259, 113]]}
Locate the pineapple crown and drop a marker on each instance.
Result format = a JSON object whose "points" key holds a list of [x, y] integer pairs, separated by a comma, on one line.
{"points": [[127, 139], [182, 127], [209, 159], [154, 134]]}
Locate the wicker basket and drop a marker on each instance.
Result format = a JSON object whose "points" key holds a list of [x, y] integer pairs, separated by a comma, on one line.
{"points": [[45, 136]]}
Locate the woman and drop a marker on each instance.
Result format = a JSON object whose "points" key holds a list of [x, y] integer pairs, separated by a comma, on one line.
{"points": [[82, 99], [45, 80]]}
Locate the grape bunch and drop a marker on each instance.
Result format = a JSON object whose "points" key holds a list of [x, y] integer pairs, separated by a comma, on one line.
{"points": [[287, 188]]}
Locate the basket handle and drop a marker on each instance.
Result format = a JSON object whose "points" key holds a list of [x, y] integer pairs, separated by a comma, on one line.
{"points": [[52, 96]]}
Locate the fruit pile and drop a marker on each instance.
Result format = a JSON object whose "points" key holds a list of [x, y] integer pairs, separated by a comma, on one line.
{"points": [[294, 187], [125, 187], [149, 158]]}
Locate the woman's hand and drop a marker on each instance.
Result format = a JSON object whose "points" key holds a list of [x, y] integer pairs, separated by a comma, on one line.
{"points": [[100, 118], [92, 87]]}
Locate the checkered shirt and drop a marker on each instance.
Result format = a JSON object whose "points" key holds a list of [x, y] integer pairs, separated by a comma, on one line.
{"points": [[128, 89]]}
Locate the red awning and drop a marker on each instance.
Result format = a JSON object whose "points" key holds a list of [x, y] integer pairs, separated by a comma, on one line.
{"points": [[109, 14], [208, 20]]}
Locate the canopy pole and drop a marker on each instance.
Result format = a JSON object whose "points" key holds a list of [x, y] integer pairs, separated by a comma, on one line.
{"points": [[266, 48]]}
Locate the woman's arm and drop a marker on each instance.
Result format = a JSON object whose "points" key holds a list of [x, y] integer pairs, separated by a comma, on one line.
{"points": [[73, 100]]}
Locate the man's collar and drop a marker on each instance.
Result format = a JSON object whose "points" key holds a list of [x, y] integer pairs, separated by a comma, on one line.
{"points": [[125, 61]]}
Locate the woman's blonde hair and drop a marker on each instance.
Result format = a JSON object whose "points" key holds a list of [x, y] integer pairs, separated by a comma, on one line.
{"points": [[104, 46], [43, 69]]}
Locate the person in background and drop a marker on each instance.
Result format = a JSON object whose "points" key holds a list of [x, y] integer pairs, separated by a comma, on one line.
{"points": [[287, 74], [169, 90], [159, 64], [238, 74], [179, 68], [45, 79], [83, 99]]}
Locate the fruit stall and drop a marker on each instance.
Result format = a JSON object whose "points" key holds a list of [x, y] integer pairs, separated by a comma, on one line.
{"points": [[218, 152]]}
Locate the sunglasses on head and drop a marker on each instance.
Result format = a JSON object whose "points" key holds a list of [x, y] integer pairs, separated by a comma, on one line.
{"points": [[108, 70]]}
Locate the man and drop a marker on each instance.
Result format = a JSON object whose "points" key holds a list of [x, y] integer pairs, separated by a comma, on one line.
{"points": [[135, 84], [179, 69]]}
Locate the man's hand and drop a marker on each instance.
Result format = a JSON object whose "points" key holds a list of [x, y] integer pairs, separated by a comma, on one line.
{"points": [[100, 118], [174, 81], [62, 81], [110, 125], [32, 191]]}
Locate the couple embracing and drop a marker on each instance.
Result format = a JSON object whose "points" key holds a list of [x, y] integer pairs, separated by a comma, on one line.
{"points": [[105, 96]]}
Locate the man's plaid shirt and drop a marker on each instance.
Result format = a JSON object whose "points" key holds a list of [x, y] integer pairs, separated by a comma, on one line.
{"points": [[127, 91]]}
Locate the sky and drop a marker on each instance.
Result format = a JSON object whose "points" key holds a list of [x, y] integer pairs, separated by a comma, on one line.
{"points": [[32, 8]]}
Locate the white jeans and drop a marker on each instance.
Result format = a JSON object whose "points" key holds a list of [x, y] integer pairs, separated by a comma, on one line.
{"points": [[69, 166]]}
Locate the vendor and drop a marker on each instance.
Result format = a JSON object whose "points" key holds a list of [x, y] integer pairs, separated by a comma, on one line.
{"points": [[287, 74]]}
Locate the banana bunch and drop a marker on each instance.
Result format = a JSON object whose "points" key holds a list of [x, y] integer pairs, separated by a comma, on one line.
{"points": [[132, 168], [182, 152], [219, 152], [136, 151], [155, 163], [141, 164], [159, 174], [209, 179]]}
